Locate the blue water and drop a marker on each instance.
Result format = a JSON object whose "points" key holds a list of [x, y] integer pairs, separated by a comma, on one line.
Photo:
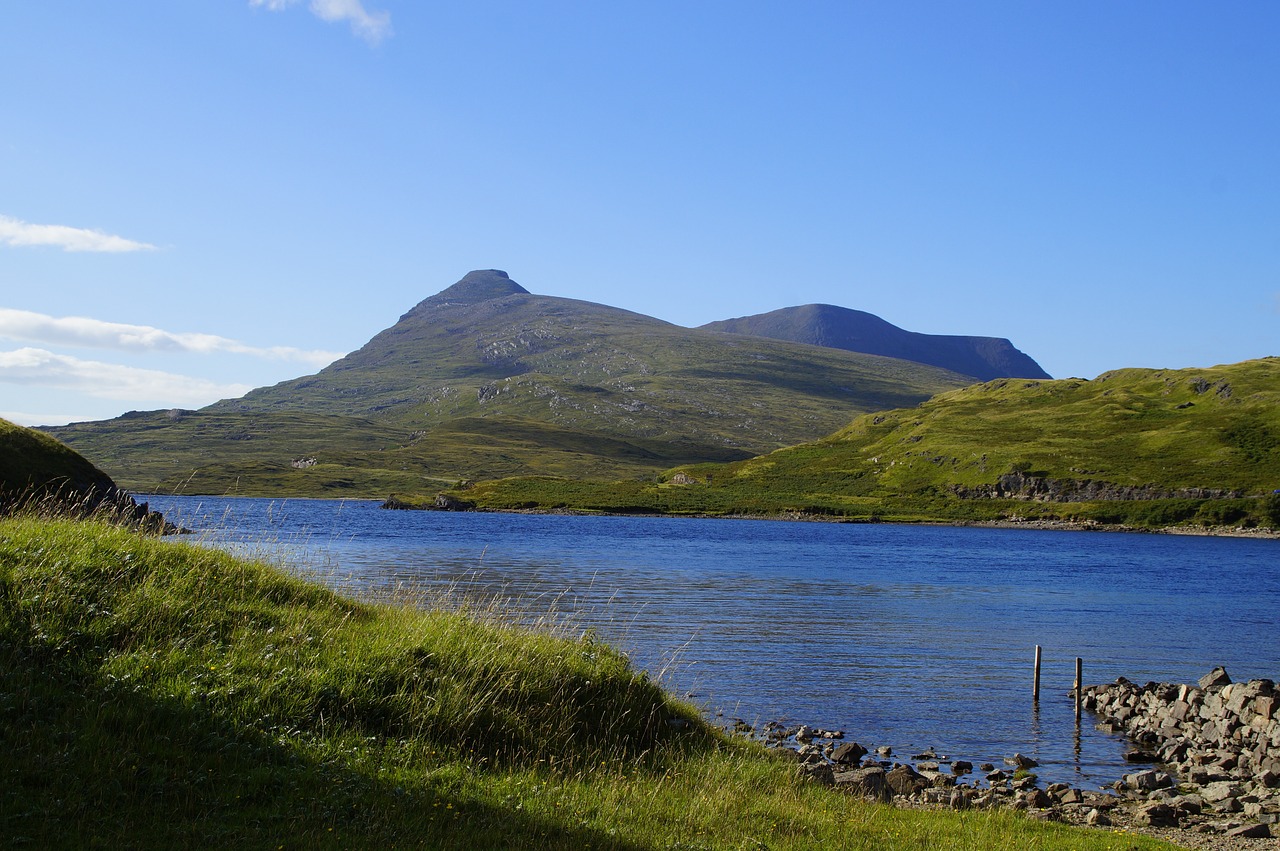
{"points": [[907, 636]]}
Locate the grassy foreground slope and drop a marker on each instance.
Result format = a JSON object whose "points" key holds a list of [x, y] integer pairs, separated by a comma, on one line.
{"points": [[160, 695], [1148, 447]]}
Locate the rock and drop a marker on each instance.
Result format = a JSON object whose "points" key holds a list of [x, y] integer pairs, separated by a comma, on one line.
{"points": [[1157, 815], [848, 753], [905, 781], [818, 772], [1037, 798], [1097, 818], [959, 799], [1141, 781], [884, 751], [960, 766], [1020, 761], [1251, 831], [1217, 678], [1214, 793], [867, 783], [1071, 796], [1140, 756]]}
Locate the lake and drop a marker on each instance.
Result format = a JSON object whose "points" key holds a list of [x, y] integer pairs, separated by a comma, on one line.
{"points": [[906, 636]]}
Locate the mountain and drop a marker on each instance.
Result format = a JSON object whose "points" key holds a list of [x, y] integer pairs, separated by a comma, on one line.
{"points": [[984, 358], [486, 379], [1140, 446]]}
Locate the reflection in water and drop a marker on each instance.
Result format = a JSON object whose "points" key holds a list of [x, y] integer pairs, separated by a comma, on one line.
{"points": [[903, 636]]}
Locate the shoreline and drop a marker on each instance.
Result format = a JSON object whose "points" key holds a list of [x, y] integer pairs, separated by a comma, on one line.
{"points": [[798, 517], [1204, 766]]}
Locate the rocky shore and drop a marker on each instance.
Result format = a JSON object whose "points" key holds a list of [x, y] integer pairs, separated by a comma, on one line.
{"points": [[1207, 766]]}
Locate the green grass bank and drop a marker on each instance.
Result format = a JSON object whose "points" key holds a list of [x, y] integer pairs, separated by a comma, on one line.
{"points": [[156, 694]]}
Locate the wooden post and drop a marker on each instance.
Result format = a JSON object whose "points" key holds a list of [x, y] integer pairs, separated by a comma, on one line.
{"points": [[1035, 683], [1079, 686]]}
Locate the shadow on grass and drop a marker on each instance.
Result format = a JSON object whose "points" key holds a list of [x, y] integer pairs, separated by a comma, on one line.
{"points": [[93, 762]]}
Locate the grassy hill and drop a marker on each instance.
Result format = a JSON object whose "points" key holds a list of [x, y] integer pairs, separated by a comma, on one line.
{"points": [[486, 380], [32, 463], [854, 330], [1151, 447], [160, 695]]}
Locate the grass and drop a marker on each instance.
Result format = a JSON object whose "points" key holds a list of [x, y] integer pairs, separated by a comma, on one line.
{"points": [[1198, 446], [157, 694]]}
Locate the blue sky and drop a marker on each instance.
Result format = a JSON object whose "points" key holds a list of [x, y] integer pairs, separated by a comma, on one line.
{"points": [[204, 196]]}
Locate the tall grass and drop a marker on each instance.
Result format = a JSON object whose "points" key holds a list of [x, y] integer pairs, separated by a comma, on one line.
{"points": [[158, 694]]}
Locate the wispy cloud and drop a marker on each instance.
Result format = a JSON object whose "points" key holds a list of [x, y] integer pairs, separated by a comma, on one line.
{"points": [[373, 27], [26, 418], [84, 332], [20, 234], [111, 381]]}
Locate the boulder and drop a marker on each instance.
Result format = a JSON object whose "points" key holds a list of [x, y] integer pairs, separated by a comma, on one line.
{"points": [[1215, 793], [849, 753], [818, 772], [1217, 678], [867, 783], [906, 781], [1142, 781], [1038, 799], [1157, 815]]}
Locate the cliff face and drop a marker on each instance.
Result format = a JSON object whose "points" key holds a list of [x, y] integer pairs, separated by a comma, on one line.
{"points": [[834, 327], [1026, 486]]}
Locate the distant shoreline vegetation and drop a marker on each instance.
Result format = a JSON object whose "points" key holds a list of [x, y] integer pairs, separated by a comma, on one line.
{"points": [[1247, 517]]}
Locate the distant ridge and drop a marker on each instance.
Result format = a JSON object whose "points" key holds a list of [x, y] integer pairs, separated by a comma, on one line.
{"points": [[835, 327]]}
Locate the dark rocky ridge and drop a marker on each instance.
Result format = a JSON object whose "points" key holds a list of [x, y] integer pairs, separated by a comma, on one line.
{"points": [[1031, 487], [835, 327]]}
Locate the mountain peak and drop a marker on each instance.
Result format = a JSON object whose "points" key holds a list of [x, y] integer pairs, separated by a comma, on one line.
{"points": [[480, 285]]}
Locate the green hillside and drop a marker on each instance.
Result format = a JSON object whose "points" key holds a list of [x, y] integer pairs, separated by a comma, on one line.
{"points": [[34, 463], [40, 475], [486, 380], [1143, 446]]}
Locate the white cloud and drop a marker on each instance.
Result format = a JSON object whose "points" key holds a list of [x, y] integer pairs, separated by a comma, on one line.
{"points": [[373, 27], [19, 234], [25, 418], [111, 381], [94, 333]]}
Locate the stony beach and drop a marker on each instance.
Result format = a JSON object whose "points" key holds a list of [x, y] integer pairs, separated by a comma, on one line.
{"points": [[1206, 760]]}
